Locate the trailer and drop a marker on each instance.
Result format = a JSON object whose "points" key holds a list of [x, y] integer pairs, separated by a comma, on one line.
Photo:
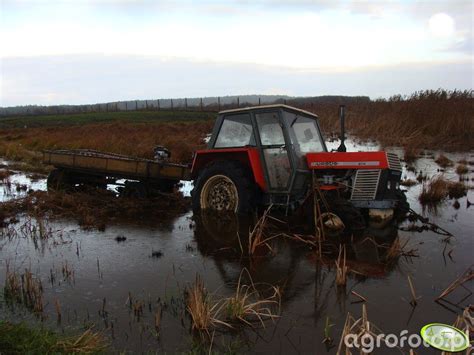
{"points": [[141, 177]]}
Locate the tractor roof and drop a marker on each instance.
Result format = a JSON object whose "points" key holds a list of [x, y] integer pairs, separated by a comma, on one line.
{"points": [[264, 107]]}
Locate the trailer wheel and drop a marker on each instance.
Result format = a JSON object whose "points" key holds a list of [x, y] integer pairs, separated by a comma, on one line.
{"points": [[135, 190], [224, 186], [59, 179]]}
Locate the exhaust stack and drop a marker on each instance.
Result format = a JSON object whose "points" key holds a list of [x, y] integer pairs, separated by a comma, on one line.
{"points": [[342, 146]]}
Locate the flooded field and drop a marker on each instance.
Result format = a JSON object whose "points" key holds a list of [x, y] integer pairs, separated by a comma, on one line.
{"points": [[130, 280]]}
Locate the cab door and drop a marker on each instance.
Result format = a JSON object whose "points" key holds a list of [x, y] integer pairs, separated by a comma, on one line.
{"points": [[274, 150]]}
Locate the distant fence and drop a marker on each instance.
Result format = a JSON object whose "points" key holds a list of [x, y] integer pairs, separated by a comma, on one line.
{"points": [[180, 104]]}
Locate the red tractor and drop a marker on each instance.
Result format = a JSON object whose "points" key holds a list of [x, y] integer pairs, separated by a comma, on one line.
{"points": [[276, 154]]}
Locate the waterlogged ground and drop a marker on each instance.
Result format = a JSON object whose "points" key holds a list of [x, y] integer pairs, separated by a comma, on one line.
{"points": [[100, 280]]}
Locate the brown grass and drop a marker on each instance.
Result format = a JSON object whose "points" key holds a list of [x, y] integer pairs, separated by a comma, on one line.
{"points": [[443, 161], [24, 289], [411, 154], [247, 306], [87, 343], [137, 139], [437, 189], [424, 119], [408, 182], [5, 174], [462, 169], [202, 309]]}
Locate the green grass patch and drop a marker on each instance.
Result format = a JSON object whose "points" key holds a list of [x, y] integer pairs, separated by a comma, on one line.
{"points": [[98, 117], [23, 339]]}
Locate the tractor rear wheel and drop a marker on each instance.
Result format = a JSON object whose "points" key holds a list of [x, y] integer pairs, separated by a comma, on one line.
{"points": [[224, 186]]}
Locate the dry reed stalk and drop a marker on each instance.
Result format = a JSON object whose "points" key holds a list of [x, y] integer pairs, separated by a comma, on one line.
{"points": [[306, 239], [464, 277], [359, 329], [414, 298], [257, 236], [158, 316], [87, 342], [200, 307], [464, 322], [24, 289], [341, 268], [361, 298], [57, 307]]}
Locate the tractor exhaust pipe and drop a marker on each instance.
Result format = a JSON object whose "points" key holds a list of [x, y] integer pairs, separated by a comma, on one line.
{"points": [[342, 146]]}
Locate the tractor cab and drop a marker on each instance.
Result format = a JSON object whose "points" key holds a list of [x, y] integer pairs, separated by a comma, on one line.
{"points": [[281, 136], [273, 155]]}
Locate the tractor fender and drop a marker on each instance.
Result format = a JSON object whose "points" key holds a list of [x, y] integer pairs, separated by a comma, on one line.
{"points": [[249, 157]]}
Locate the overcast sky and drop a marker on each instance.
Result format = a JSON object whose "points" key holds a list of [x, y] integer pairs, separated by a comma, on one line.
{"points": [[88, 51]]}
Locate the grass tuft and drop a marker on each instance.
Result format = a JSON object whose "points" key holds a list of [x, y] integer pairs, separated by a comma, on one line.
{"points": [[443, 161], [437, 189], [22, 339], [201, 308], [247, 306], [462, 169]]}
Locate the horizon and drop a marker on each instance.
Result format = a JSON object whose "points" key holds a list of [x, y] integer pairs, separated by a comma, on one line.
{"points": [[99, 51]]}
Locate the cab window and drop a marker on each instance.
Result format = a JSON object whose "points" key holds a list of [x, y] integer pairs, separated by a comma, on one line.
{"points": [[236, 131], [270, 129]]}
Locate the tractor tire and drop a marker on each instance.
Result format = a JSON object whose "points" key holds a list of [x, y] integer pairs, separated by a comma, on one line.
{"points": [[225, 186], [135, 190], [351, 216], [59, 179], [403, 207]]}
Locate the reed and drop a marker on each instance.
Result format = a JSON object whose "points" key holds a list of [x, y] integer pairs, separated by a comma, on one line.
{"points": [[443, 161], [462, 169], [24, 289], [438, 189], [203, 311], [341, 268], [248, 307], [258, 241], [415, 121]]}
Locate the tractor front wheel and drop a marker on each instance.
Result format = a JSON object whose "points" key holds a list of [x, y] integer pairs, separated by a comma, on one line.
{"points": [[224, 186], [351, 216]]}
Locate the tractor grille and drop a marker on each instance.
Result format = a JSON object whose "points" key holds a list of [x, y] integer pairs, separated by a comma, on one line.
{"points": [[365, 184], [393, 162]]}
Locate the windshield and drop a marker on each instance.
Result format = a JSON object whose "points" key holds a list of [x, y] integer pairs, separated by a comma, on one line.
{"points": [[304, 133]]}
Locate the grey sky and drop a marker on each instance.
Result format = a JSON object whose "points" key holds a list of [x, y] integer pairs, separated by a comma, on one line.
{"points": [[69, 52]]}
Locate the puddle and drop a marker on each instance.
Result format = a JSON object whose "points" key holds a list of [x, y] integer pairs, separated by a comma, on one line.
{"points": [[154, 264]]}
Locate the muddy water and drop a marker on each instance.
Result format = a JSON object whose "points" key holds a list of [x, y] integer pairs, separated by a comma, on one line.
{"points": [[155, 264]]}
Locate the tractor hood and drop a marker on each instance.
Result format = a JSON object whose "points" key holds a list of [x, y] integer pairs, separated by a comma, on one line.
{"points": [[353, 160]]}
